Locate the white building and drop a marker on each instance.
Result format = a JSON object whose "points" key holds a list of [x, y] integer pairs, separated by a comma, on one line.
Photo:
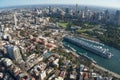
{"points": [[43, 75]]}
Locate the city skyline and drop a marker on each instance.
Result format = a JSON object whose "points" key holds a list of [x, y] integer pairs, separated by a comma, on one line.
{"points": [[59, 40], [103, 3]]}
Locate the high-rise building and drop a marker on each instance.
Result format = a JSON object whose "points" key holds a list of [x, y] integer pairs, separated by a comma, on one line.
{"points": [[117, 18], [2, 28], [15, 20], [13, 52], [50, 9], [107, 16], [83, 14], [76, 8], [67, 10], [86, 12]]}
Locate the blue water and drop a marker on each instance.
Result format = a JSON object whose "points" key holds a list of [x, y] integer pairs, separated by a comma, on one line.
{"points": [[112, 64]]}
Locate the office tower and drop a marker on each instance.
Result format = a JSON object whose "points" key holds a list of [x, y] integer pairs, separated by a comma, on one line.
{"points": [[76, 9], [13, 52], [50, 9], [107, 16], [83, 14], [67, 10], [15, 20], [2, 28], [38, 12], [117, 18]]}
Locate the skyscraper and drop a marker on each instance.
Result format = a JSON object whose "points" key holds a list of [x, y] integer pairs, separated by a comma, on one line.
{"points": [[50, 9], [117, 17], [107, 16], [67, 10], [76, 9], [15, 19], [13, 52]]}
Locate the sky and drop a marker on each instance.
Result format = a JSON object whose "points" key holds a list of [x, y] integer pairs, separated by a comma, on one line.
{"points": [[104, 3]]}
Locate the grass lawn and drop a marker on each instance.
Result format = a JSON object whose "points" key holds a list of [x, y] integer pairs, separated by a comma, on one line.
{"points": [[63, 24], [81, 31]]}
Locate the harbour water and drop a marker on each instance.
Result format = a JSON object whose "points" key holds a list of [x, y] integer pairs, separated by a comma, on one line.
{"points": [[112, 64]]}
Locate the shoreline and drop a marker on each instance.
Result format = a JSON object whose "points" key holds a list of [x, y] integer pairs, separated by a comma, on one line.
{"points": [[106, 70], [99, 67]]}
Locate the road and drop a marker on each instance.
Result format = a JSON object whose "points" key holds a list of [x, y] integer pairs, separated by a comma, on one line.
{"points": [[110, 72]]}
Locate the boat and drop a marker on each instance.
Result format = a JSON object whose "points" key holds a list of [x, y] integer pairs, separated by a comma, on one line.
{"points": [[98, 50]]}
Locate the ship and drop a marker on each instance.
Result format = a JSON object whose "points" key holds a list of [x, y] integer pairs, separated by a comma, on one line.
{"points": [[98, 50]]}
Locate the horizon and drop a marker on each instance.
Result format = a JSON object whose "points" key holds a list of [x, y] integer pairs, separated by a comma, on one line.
{"points": [[57, 5], [102, 3]]}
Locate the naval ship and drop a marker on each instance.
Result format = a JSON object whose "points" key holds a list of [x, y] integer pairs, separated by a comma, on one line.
{"points": [[99, 50]]}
